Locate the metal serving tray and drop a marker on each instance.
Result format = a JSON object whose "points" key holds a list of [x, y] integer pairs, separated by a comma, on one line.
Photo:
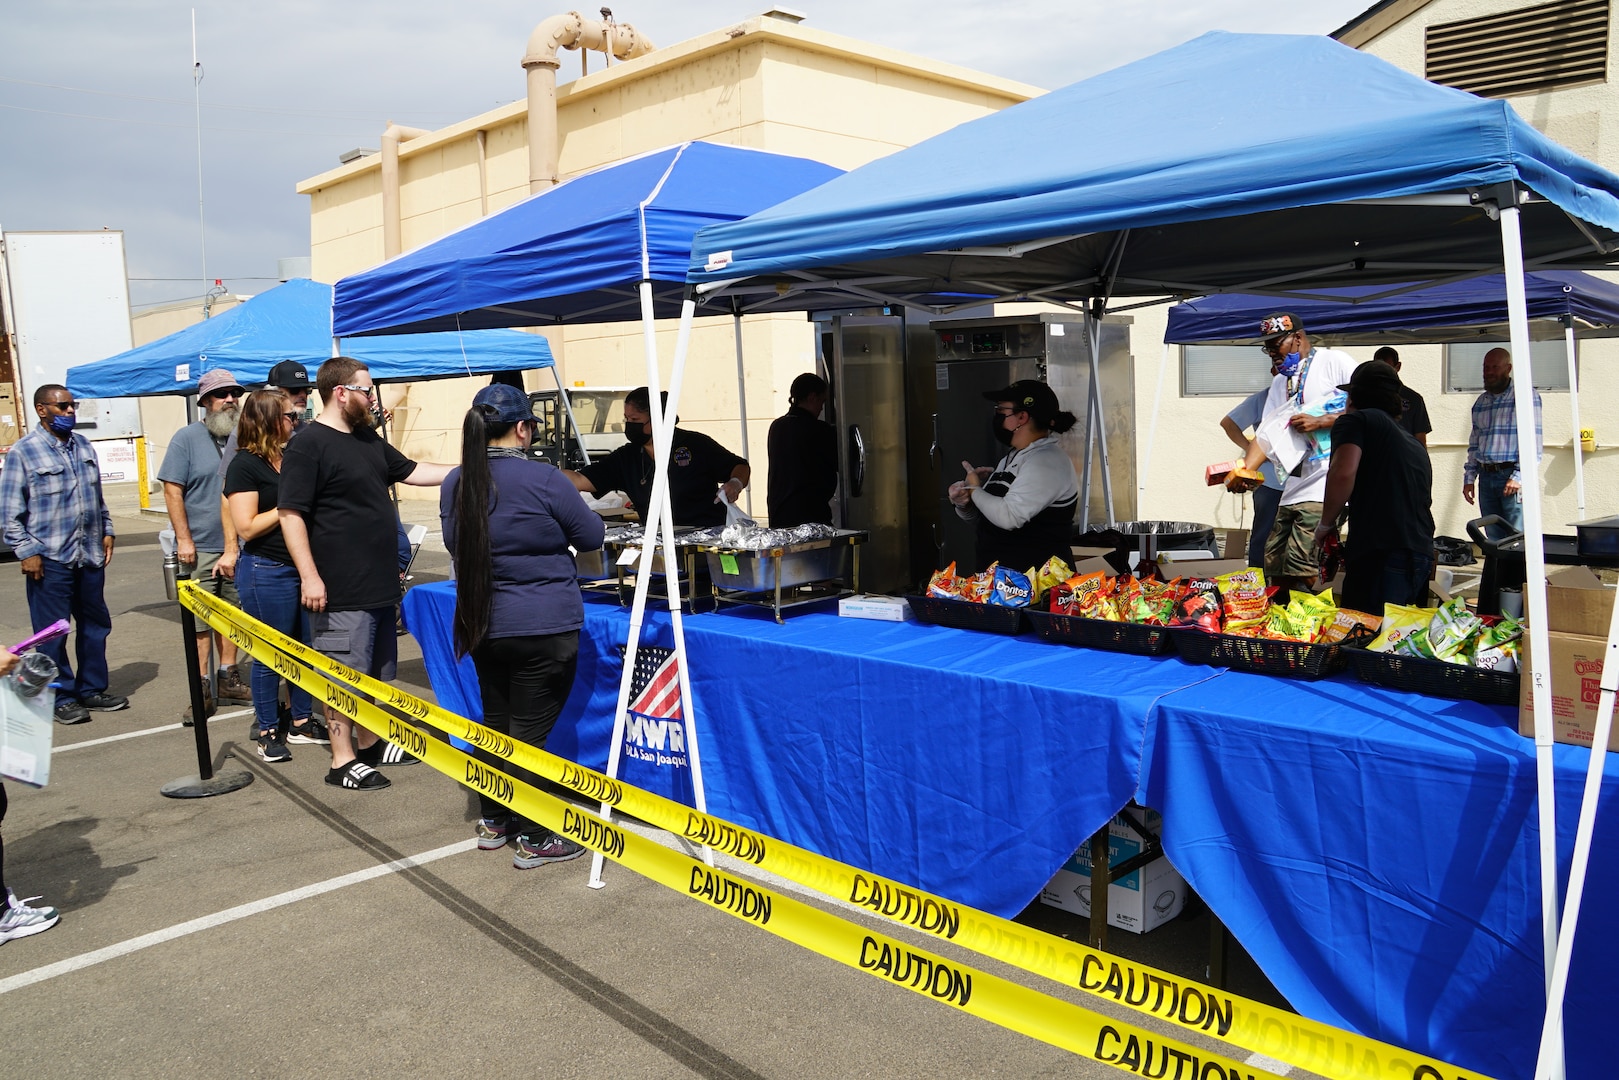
{"points": [[787, 566]]}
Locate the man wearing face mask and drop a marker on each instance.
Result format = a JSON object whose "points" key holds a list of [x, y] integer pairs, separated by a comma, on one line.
{"points": [[56, 521], [1025, 505], [698, 467], [205, 539], [1306, 387]]}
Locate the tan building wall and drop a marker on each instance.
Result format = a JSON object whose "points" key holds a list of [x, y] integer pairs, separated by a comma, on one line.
{"points": [[764, 83]]}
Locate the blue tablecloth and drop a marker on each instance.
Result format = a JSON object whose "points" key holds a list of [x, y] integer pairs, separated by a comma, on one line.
{"points": [[1376, 852]]}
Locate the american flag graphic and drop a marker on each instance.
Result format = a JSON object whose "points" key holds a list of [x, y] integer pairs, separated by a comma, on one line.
{"points": [[655, 686]]}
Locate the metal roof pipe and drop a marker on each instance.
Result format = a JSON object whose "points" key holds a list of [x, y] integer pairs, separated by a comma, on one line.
{"points": [[391, 138], [569, 31]]}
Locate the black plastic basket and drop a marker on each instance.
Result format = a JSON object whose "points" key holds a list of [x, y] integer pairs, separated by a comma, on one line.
{"points": [[1263, 656], [1123, 637], [965, 615], [1437, 678]]}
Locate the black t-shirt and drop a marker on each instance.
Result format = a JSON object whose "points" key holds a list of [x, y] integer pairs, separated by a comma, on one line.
{"points": [[249, 472], [803, 470], [697, 467], [339, 482], [1391, 506], [1415, 417]]}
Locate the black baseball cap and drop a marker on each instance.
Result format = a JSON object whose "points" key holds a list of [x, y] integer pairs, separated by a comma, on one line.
{"points": [[1279, 324], [1028, 395], [289, 375], [1372, 378]]}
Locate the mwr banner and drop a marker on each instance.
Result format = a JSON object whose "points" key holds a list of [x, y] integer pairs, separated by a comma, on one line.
{"points": [[654, 756]]}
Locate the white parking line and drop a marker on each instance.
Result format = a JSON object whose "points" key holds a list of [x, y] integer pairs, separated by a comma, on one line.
{"points": [[232, 715], [208, 922]]}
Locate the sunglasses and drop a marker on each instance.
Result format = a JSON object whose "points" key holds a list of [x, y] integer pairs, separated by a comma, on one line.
{"points": [[63, 406], [294, 417], [368, 391]]}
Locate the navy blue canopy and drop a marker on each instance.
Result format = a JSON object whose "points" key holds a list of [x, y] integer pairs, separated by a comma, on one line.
{"points": [[293, 321], [1234, 162], [1474, 309], [577, 252]]}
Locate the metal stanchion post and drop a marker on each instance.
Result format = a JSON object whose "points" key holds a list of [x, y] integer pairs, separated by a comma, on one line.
{"points": [[206, 782]]}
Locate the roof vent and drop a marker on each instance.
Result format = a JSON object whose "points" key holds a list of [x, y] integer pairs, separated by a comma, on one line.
{"points": [[1562, 43], [355, 155], [786, 14]]}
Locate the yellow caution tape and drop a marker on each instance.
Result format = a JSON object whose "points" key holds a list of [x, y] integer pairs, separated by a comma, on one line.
{"points": [[1251, 1025]]}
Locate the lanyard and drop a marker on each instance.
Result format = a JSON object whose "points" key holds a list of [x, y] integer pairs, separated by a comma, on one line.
{"points": [[1304, 373]]}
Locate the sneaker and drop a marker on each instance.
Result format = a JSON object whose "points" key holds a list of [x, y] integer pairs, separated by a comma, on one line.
{"points": [[232, 687], [271, 748], [357, 776], [104, 702], [492, 834], [69, 711], [312, 731], [537, 849], [383, 752], [17, 919], [207, 707]]}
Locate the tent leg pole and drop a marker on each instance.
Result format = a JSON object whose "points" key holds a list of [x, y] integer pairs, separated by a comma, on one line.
{"points": [[567, 407], [1101, 416], [741, 395], [1534, 595], [1574, 415], [643, 574]]}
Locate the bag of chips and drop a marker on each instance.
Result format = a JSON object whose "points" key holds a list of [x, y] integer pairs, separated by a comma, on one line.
{"points": [[1199, 606], [1496, 646], [1451, 630], [1414, 644], [1350, 628], [944, 584], [1242, 595], [1399, 622], [1048, 577], [1070, 596], [1008, 588]]}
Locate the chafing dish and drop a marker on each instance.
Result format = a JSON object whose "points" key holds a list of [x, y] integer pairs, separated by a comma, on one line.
{"points": [[785, 575]]}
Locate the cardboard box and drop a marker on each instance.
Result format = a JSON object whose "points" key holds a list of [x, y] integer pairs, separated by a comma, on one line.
{"points": [[1236, 544], [1173, 567], [1140, 901], [869, 606], [1579, 608]]}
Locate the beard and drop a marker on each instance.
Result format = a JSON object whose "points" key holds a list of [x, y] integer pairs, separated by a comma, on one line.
{"points": [[357, 413], [221, 422], [1498, 385]]}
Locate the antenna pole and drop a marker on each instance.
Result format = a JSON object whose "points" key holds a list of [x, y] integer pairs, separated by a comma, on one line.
{"points": [[202, 227]]}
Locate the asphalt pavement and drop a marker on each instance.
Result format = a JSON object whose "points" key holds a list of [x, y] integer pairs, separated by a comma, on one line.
{"points": [[265, 933]]}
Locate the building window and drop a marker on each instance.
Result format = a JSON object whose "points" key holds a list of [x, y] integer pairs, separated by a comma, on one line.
{"points": [[1519, 52], [1228, 370], [1464, 365]]}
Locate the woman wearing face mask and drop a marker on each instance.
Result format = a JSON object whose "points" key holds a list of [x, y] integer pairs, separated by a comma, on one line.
{"points": [[508, 523], [1025, 505]]}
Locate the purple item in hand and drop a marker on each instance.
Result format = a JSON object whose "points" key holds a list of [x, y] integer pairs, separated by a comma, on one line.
{"points": [[57, 629]]}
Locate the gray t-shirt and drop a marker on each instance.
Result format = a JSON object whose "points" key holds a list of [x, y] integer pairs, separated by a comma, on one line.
{"points": [[193, 462]]}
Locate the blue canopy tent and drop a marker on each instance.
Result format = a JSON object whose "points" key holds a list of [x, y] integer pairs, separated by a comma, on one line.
{"points": [[607, 246], [1565, 303], [577, 252], [1234, 163], [293, 321]]}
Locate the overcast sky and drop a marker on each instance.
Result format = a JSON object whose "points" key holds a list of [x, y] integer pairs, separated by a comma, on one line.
{"points": [[99, 125]]}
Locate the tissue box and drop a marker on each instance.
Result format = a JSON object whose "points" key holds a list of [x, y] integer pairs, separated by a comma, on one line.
{"points": [[868, 606]]}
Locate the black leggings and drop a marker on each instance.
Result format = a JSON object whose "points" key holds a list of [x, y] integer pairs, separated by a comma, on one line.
{"points": [[524, 683]]}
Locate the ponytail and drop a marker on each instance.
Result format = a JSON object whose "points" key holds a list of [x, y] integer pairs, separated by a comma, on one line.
{"points": [[474, 578], [1061, 422]]}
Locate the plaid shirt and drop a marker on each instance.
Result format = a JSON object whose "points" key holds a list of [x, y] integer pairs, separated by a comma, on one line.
{"points": [[50, 500], [1495, 433]]}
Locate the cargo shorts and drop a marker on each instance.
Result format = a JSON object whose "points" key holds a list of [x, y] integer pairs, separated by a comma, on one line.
{"points": [[1291, 552]]}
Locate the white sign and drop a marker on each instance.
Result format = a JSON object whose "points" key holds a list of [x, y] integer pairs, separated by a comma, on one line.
{"points": [[117, 460]]}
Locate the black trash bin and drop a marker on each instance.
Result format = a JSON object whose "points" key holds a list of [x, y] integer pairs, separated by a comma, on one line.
{"points": [[1147, 538], [1503, 561]]}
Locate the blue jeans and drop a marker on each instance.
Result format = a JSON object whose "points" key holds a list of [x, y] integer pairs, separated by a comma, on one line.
{"points": [[1508, 508], [73, 592], [270, 592]]}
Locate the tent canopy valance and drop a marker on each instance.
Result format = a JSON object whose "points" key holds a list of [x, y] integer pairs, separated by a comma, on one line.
{"points": [[1458, 311], [293, 321]]}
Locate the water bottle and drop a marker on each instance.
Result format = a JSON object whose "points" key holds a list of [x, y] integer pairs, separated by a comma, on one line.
{"points": [[171, 575]]}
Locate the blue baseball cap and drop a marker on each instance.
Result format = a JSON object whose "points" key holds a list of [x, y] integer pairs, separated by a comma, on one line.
{"points": [[506, 404]]}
